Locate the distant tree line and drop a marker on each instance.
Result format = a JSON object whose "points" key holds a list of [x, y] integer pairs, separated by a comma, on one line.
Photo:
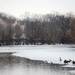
{"points": [[45, 29]]}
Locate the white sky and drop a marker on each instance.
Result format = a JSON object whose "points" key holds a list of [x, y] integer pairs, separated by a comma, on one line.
{"points": [[19, 7]]}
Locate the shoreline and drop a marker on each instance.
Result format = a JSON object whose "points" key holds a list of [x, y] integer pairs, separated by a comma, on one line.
{"points": [[22, 60]]}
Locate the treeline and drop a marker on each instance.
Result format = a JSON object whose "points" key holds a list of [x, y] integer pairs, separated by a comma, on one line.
{"points": [[45, 29]]}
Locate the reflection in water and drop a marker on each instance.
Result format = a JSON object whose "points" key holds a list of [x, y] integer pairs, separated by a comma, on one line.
{"points": [[20, 66]]}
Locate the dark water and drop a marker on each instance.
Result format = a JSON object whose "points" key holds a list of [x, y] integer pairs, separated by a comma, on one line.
{"points": [[20, 66]]}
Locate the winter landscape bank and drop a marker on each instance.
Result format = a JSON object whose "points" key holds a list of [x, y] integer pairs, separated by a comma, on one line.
{"points": [[44, 59]]}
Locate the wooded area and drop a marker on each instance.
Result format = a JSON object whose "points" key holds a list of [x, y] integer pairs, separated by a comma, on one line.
{"points": [[44, 29]]}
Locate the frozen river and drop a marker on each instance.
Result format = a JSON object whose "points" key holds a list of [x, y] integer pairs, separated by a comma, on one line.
{"points": [[49, 53]]}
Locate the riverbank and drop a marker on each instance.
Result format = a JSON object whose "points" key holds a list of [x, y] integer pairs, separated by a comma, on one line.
{"points": [[22, 60], [16, 65]]}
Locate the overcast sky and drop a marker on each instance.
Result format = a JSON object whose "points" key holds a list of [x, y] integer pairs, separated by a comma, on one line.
{"points": [[19, 7]]}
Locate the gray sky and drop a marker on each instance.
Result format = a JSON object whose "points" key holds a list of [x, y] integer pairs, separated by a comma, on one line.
{"points": [[19, 7]]}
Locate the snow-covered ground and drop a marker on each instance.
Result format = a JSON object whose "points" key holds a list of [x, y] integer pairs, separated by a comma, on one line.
{"points": [[49, 53]]}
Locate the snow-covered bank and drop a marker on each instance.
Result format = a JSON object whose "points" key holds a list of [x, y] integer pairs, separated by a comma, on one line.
{"points": [[50, 53]]}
